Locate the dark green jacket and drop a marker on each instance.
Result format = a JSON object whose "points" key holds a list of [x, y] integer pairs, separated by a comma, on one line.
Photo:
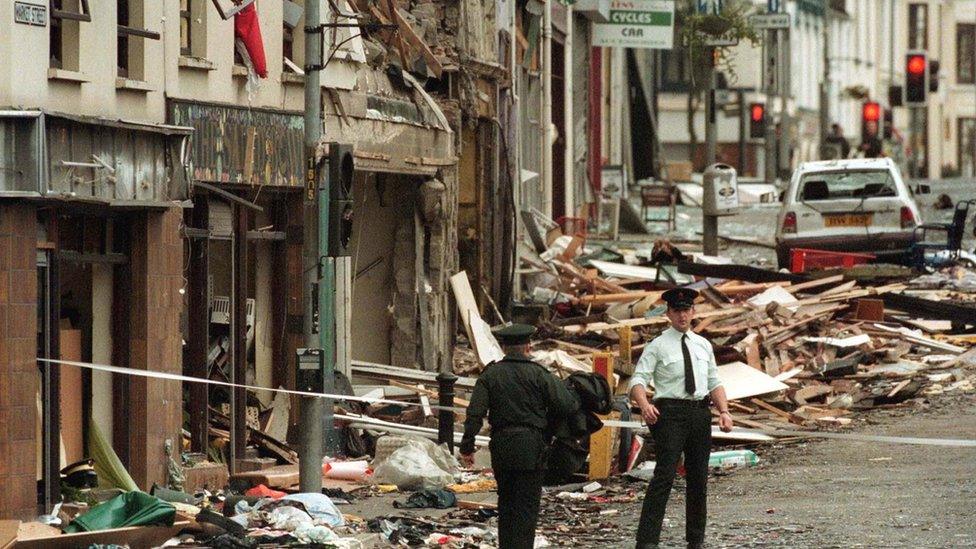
{"points": [[521, 399]]}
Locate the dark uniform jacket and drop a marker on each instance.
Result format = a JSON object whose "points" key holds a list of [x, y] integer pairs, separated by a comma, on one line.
{"points": [[521, 399]]}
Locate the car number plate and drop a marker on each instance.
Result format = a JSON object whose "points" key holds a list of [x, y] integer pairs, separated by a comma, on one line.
{"points": [[848, 220]]}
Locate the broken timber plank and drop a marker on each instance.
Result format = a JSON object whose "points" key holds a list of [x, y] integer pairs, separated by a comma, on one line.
{"points": [[815, 283], [782, 413]]}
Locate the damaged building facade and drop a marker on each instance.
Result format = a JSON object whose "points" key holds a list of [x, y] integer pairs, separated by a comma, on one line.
{"points": [[151, 212]]}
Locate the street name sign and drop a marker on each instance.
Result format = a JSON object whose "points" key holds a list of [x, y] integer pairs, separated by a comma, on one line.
{"points": [[645, 24], [770, 21], [30, 14]]}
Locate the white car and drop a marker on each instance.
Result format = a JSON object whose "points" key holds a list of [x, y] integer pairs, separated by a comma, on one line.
{"points": [[850, 205]]}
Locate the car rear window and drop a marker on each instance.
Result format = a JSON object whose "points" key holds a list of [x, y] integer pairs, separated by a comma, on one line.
{"points": [[836, 185]]}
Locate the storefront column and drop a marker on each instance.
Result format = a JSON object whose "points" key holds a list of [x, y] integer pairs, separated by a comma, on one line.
{"points": [[155, 344], [19, 379]]}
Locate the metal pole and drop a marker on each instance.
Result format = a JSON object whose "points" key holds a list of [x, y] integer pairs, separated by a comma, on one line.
{"points": [[742, 130], [445, 418], [825, 84], [710, 222], [783, 45], [711, 132], [310, 449], [769, 86]]}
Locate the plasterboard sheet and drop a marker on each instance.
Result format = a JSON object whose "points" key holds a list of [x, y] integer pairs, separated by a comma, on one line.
{"points": [[625, 271], [775, 294], [741, 381], [484, 341]]}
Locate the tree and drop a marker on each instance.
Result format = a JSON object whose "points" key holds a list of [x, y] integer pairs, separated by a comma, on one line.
{"points": [[693, 32]]}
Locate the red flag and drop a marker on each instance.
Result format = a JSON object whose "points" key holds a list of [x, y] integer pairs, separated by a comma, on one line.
{"points": [[248, 30]]}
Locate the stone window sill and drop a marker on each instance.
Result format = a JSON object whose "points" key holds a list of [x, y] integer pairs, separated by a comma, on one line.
{"points": [[292, 78], [196, 63], [239, 71], [132, 85], [67, 76]]}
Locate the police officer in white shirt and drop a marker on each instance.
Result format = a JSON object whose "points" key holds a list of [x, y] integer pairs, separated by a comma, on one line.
{"points": [[681, 367]]}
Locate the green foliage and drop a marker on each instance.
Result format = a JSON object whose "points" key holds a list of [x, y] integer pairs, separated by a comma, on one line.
{"points": [[695, 29]]}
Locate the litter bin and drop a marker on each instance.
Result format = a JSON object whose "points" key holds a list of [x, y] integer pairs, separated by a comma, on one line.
{"points": [[720, 190]]}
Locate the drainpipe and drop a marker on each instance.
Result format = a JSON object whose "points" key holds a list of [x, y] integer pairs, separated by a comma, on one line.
{"points": [[515, 119], [545, 119], [569, 199]]}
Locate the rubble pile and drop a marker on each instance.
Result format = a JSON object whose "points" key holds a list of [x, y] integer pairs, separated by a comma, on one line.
{"points": [[837, 342]]}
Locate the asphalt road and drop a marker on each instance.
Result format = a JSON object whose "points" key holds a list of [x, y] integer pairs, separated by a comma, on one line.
{"points": [[840, 493]]}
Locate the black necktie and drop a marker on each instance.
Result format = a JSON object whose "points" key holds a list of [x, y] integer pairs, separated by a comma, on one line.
{"points": [[689, 371]]}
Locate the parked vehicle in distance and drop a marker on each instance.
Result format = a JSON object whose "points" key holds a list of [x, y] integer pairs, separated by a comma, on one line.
{"points": [[848, 205]]}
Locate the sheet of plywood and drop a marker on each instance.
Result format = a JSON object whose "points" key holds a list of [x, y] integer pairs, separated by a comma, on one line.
{"points": [[741, 381], [8, 533], [70, 398], [465, 301]]}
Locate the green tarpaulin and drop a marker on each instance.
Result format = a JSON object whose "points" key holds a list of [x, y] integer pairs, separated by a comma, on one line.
{"points": [[129, 509]]}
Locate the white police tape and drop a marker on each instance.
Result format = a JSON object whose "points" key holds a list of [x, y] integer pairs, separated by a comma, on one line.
{"points": [[769, 434], [178, 377]]}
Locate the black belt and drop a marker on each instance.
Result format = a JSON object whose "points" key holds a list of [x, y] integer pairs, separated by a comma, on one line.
{"points": [[517, 428], [683, 402]]}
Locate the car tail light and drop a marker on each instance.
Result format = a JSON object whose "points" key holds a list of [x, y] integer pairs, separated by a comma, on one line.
{"points": [[789, 223], [908, 220]]}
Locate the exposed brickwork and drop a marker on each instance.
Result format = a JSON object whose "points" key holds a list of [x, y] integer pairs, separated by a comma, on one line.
{"points": [[19, 378], [155, 343]]}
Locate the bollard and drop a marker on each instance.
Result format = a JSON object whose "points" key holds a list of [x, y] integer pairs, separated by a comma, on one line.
{"points": [[445, 419]]}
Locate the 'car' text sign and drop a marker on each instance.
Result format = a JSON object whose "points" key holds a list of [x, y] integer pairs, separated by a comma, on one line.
{"points": [[637, 24]]}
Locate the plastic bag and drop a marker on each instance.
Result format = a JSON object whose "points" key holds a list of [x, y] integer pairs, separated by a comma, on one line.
{"points": [[416, 466], [320, 507], [288, 518]]}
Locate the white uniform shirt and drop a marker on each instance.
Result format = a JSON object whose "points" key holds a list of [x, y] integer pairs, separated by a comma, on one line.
{"points": [[662, 365]]}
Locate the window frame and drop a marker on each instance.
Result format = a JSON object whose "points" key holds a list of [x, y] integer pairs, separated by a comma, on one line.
{"points": [[187, 16], [125, 32], [58, 15], [914, 9], [83, 14], [962, 29]]}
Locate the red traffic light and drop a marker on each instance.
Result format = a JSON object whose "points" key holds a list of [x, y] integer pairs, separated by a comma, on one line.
{"points": [[756, 112], [916, 64], [871, 112]]}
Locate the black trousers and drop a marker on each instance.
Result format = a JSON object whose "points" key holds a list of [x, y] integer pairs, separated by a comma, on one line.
{"points": [[680, 429], [519, 493]]}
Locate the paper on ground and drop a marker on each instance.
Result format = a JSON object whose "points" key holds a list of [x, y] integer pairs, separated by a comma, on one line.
{"points": [[853, 341], [775, 294], [485, 344]]}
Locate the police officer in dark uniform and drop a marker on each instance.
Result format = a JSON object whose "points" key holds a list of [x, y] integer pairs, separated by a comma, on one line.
{"points": [[681, 366], [521, 399]]}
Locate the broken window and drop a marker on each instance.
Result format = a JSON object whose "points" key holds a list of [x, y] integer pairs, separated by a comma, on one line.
{"points": [[66, 15], [966, 53], [131, 53], [186, 38], [291, 41], [918, 28]]}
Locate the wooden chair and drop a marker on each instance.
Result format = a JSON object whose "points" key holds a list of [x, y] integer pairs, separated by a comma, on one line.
{"points": [[659, 195]]}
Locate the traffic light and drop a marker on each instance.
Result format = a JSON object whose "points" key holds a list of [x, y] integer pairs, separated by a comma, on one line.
{"points": [[916, 78], [870, 120], [934, 75], [340, 198], [757, 120], [889, 123], [896, 96]]}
